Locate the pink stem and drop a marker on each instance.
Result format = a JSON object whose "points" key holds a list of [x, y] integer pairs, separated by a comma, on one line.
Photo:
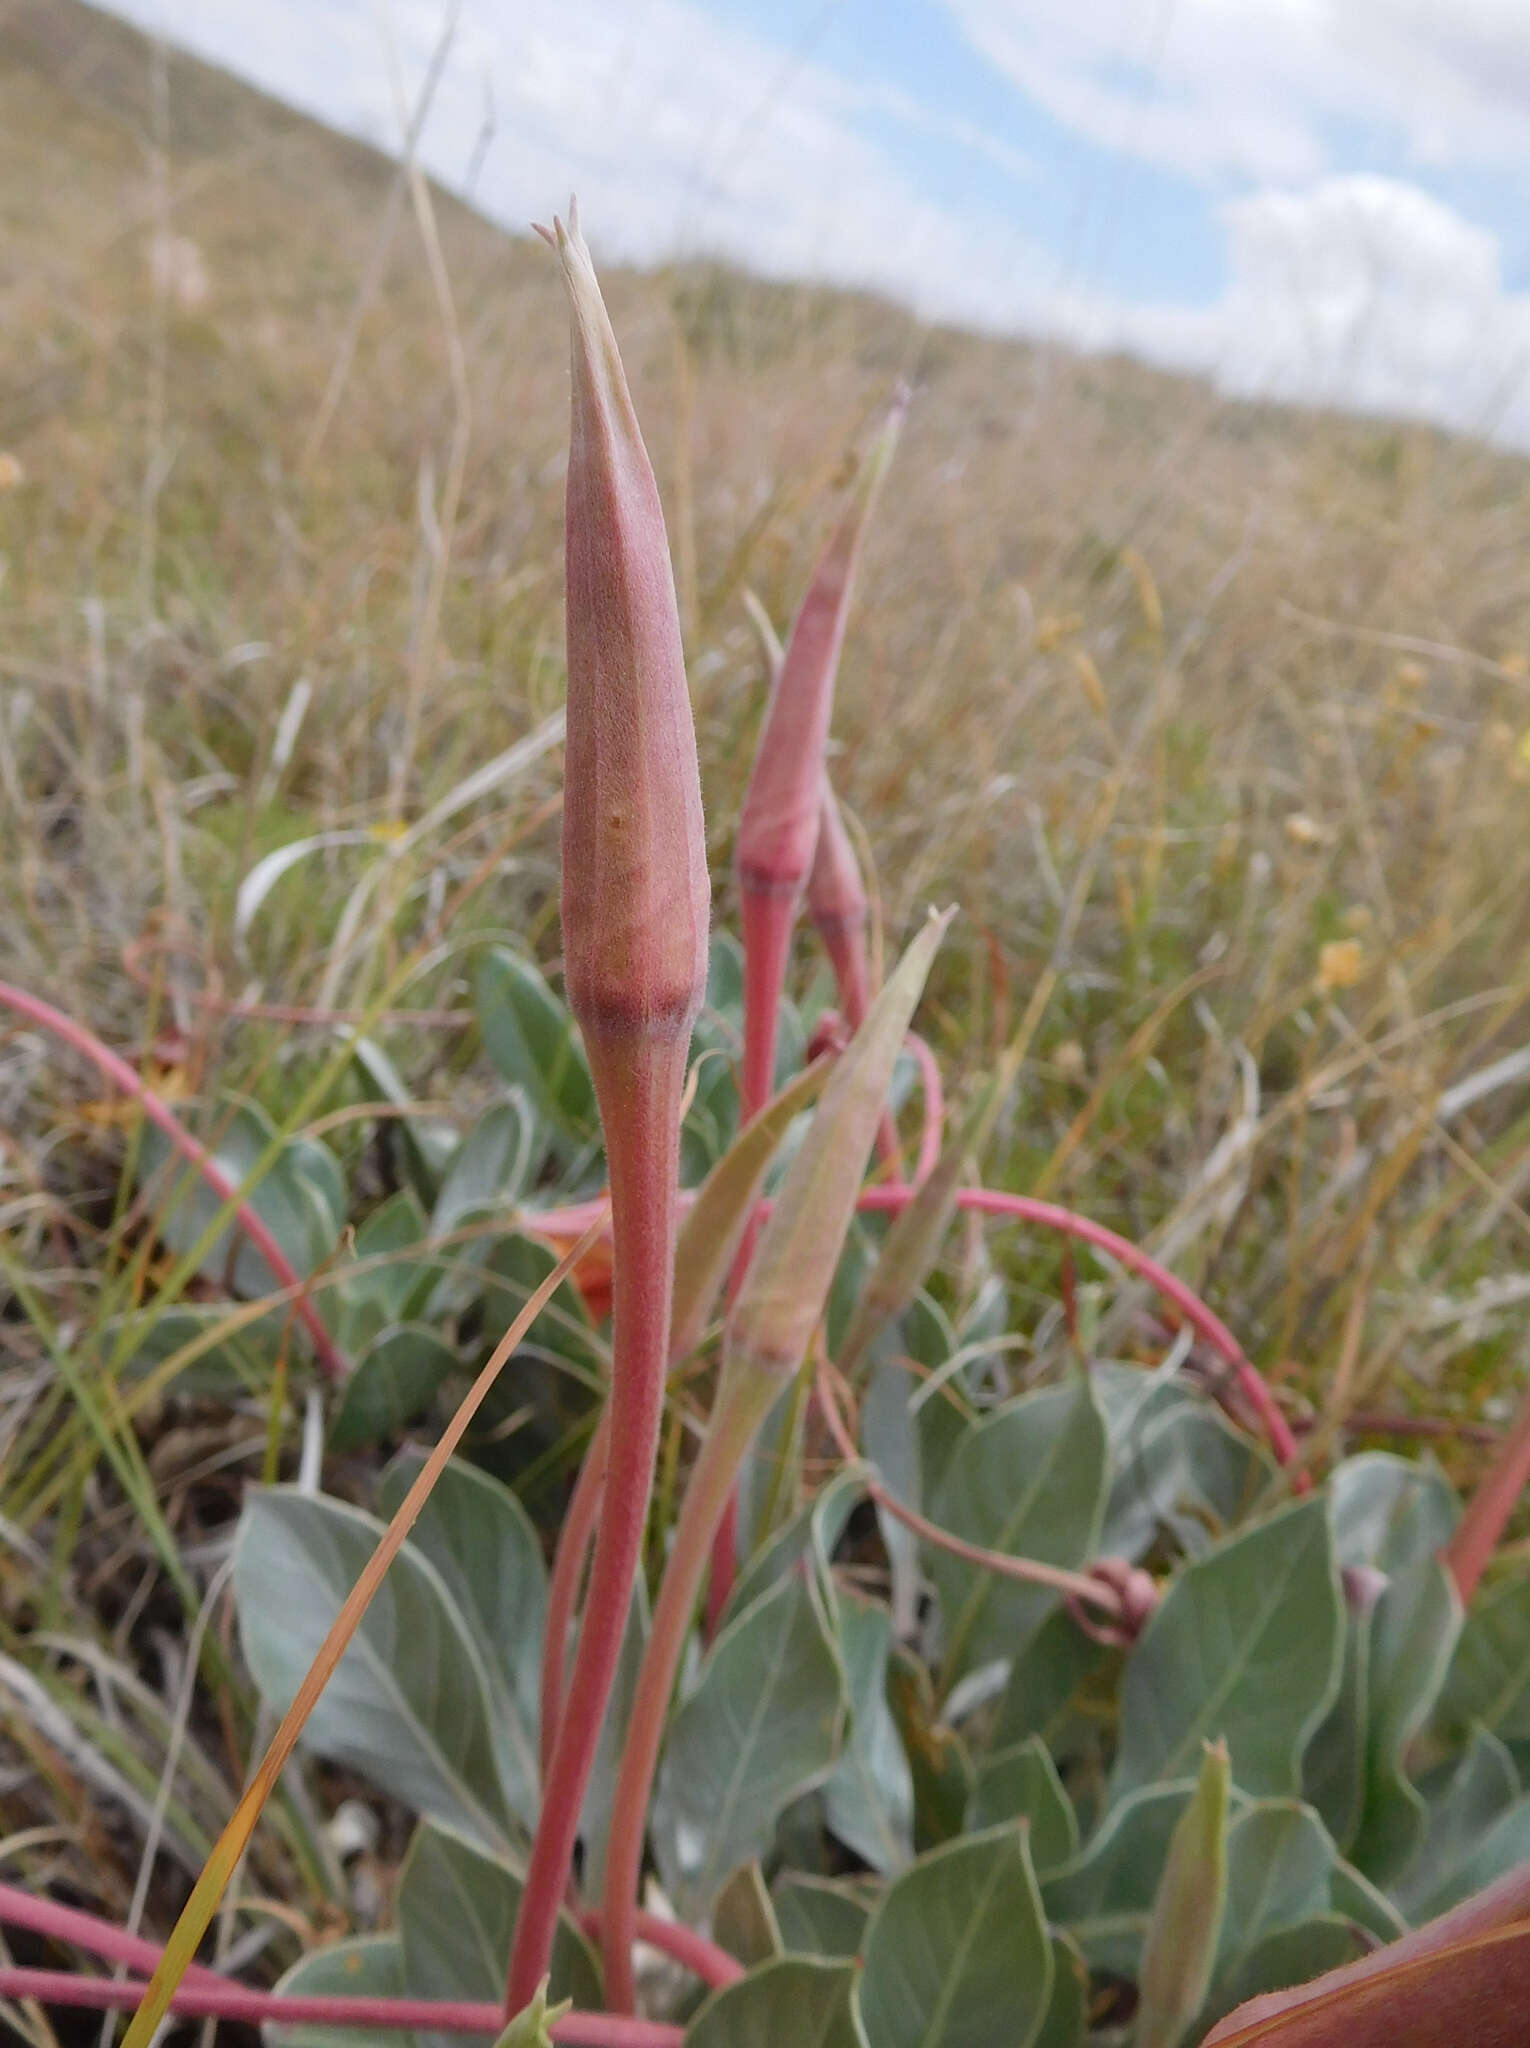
{"points": [[1206, 1324], [710, 1486], [1049, 1216], [844, 940], [85, 1930], [122, 1076], [223, 2001], [934, 1107], [768, 915], [723, 1569], [703, 1958], [48, 1917], [568, 1569], [1469, 1549], [1027, 1570], [640, 1104]]}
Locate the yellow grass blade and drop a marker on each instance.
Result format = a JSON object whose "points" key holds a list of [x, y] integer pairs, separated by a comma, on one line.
{"points": [[230, 1846]]}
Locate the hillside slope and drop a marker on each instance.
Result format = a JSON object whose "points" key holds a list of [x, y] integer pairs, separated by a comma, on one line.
{"points": [[240, 461]]}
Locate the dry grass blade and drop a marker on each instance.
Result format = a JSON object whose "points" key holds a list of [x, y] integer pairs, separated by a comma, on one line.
{"points": [[230, 1846]]}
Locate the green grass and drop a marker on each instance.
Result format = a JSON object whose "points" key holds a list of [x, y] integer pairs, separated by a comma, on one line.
{"points": [[1293, 649]]}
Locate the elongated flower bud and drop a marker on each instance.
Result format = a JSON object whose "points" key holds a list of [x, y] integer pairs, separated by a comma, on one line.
{"points": [[635, 907], [636, 897], [1181, 1944], [837, 905], [785, 1289], [778, 827]]}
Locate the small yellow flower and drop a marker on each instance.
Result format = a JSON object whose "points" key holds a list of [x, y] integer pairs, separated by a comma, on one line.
{"points": [[1340, 965], [12, 471]]}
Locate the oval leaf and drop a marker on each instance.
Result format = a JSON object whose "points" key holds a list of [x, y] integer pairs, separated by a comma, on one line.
{"points": [[761, 1726], [1245, 1646], [958, 1950], [410, 1705], [1030, 1481], [869, 1797], [802, 2000], [369, 1966], [391, 1385], [456, 1916], [481, 1540]]}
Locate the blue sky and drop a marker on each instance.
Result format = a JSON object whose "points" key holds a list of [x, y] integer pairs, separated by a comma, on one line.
{"points": [[1307, 198]]}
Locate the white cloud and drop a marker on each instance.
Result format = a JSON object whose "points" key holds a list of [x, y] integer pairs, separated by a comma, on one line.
{"points": [[682, 133], [1251, 89], [687, 134], [1361, 292]]}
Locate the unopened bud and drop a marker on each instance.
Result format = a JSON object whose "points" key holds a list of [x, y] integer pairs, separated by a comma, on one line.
{"points": [[1181, 1944], [837, 905], [778, 827], [787, 1284], [636, 895]]}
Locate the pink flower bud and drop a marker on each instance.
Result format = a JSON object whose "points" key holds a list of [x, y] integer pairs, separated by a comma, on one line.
{"points": [[778, 828], [636, 895], [635, 904], [837, 905]]}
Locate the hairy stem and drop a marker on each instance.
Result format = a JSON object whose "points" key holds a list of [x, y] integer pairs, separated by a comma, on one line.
{"points": [[640, 1108], [573, 1548], [738, 1414]]}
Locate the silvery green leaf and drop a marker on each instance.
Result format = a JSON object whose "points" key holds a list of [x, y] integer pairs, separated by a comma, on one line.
{"points": [[456, 1914], [762, 1725], [411, 1704], [480, 1539], [804, 2001], [366, 1966], [1022, 1784], [1029, 1480], [1245, 1645], [869, 1795], [958, 1949]]}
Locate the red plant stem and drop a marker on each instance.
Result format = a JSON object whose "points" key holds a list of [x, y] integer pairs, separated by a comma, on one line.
{"points": [[1049, 1216], [713, 1965], [1029, 1571], [703, 1958], [845, 944], [1476, 1536], [710, 1486], [934, 1107], [122, 1076], [573, 1548], [768, 914], [1203, 1320], [67, 1923], [640, 1109], [227, 2001], [723, 1569]]}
